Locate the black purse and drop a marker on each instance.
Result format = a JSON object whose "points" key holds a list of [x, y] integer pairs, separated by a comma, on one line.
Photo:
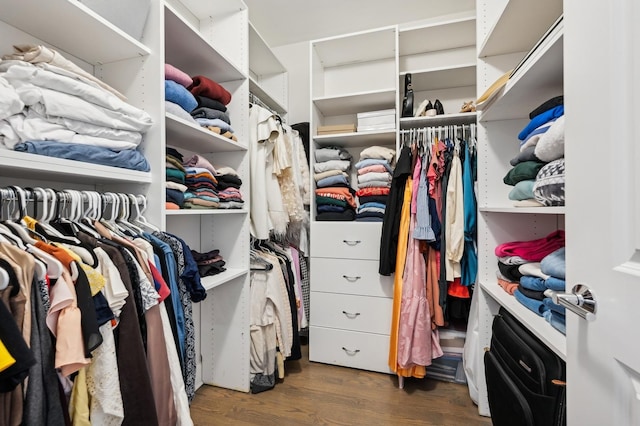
{"points": [[407, 101]]}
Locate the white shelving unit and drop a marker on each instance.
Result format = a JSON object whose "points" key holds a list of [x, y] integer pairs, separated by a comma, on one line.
{"points": [[508, 34], [438, 120], [357, 139], [352, 103], [192, 43]]}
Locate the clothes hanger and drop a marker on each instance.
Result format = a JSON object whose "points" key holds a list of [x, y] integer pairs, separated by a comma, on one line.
{"points": [[140, 219], [258, 263]]}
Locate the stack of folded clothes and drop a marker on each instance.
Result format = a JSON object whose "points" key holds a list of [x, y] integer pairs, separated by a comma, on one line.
{"points": [[175, 179], [374, 180], [229, 184], [202, 192], [50, 106], [334, 196], [528, 268], [178, 100], [209, 263], [210, 110], [537, 175]]}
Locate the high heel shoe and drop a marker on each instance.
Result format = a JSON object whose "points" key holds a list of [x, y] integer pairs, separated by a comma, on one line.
{"points": [[438, 107], [422, 108], [407, 102], [430, 110]]}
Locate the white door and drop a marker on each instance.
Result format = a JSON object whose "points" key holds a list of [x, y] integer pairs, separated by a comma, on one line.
{"points": [[602, 101]]}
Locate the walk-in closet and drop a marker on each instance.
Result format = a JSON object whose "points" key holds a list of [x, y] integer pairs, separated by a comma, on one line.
{"points": [[278, 212]]}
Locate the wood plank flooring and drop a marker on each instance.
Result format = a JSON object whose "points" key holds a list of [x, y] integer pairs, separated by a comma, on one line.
{"points": [[319, 394]]}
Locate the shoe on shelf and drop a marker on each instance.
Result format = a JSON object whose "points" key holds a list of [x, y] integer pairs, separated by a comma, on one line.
{"points": [[422, 108], [468, 107], [430, 110], [437, 105]]}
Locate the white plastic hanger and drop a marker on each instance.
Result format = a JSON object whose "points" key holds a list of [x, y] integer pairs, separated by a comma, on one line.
{"points": [[140, 219]]}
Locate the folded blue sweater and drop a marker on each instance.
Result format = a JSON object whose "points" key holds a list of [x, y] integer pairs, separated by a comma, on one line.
{"points": [[176, 93]]}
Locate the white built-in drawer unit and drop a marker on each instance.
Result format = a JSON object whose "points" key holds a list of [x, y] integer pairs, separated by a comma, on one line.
{"points": [[346, 240], [366, 351], [348, 312], [349, 276]]}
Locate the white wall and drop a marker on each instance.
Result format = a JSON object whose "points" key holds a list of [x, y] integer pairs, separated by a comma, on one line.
{"points": [[295, 58]]}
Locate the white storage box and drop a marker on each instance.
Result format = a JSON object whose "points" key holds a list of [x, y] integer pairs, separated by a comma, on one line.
{"points": [[128, 15], [377, 120]]}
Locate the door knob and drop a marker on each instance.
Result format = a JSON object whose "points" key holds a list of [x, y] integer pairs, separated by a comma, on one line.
{"points": [[580, 301]]}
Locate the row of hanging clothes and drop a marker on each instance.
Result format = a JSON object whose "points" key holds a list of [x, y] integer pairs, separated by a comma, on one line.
{"points": [[429, 241], [280, 199], [96, 321]]}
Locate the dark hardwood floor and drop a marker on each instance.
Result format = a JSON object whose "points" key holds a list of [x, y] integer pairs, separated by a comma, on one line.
{"points": [[319, 394]]}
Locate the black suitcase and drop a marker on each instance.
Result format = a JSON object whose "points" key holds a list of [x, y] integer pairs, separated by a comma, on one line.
{"points": [[525, 379]]}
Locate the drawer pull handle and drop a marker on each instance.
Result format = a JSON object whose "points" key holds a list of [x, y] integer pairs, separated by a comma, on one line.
{"points": [[351, 243], [351, 315], [351, 279], [350, 352]]}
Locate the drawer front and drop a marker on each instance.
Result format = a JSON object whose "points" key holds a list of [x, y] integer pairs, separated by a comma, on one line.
{"points": [[346, 240], [349, 349], [359, 277], [356, 313]]}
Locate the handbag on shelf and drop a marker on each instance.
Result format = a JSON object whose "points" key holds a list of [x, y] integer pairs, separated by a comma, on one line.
{"points": [[407, 101]]}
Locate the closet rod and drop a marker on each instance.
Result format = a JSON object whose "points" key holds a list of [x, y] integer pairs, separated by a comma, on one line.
{"points": [[254, 99]]}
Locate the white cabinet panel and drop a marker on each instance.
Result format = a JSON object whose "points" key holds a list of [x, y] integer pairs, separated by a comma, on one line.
{"points": [[357, 313], [347, 240], [358, 277]]}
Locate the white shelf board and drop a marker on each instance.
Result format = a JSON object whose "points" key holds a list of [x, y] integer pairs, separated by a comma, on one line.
{"points": [[551, 337], [204, 9], [262, 60], [354, 103], [357, 139], [264, 96], [444, 35], [526, 210], [520, 25], [183, 134], [186, 49], [214, 281], [442, 78], [538, 79], [42, 167], [341, 50], [438, 120], [72, 27], [202, 212]]}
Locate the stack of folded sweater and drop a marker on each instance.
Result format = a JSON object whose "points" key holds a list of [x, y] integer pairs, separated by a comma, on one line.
{"points": [[211, 111], [198, 100], [175, 179], [528, 268], [374, 180], [334, 195], [209, 263], [50, 106], [537, 175], [202, 192], [229, 184]]}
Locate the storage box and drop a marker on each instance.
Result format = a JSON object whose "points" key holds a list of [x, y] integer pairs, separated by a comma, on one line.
{"points": [[128, 15], [336, 128], [377, 120]]}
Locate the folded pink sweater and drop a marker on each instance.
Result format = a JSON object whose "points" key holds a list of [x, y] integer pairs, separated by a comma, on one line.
{"points": [[180, 77], [205, 87], [534, 250]]}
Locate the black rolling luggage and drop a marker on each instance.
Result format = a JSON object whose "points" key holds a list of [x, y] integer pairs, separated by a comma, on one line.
{"points": [[525, 379]]}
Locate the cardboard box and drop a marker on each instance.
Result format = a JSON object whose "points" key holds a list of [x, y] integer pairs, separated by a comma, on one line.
{"points": [[128, 15], [336, 128]]}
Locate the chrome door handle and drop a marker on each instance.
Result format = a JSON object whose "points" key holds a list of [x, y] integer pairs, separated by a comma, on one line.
{"points": [[350, 352], [581, 301], [351, 242], [351, 279], [351, 315]]}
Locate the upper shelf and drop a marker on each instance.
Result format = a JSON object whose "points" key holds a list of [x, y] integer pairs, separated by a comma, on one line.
{"points": [[72, 27], [213, 7], [187, 135], [538, 79], [186, 49], [264, 96], [551, 337], [520, 25], [354, 103], [525, 210], [448, 34], [42, 167], [443, 78], [342, 50], [357, 139], [438, 120], [262, 60]]}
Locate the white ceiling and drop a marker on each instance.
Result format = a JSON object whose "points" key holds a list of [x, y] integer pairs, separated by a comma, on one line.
{"points": [[283, 22]]}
